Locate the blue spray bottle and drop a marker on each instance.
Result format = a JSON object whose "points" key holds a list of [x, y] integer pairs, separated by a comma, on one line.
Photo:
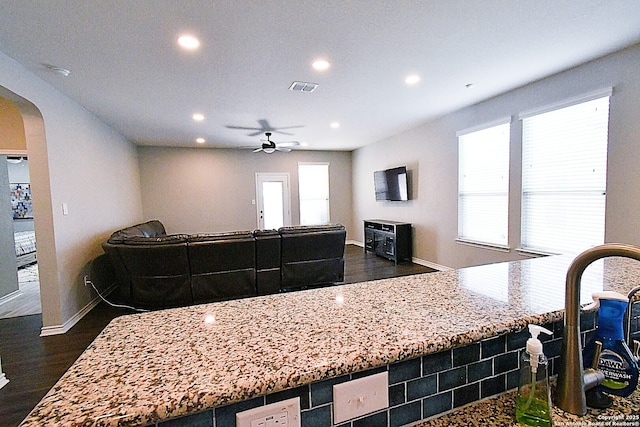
{"points": [[615, 360]]}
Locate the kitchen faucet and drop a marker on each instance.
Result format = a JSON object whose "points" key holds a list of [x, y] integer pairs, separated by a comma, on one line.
{"points": [[572, 380]]}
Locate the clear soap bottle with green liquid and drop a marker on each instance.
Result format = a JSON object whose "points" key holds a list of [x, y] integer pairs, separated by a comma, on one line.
{"points": [[533, 402]]}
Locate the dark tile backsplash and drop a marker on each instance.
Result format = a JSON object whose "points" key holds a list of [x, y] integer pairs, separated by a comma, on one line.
{"points": [[422, 387]]}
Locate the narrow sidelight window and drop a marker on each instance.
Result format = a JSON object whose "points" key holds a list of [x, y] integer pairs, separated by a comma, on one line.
{"points": [[313, 186]]}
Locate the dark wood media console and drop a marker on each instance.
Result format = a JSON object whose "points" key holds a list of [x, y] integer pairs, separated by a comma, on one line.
{"points": [[388, 239]]}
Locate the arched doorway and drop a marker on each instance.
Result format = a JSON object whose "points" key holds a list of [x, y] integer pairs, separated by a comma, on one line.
{"points": [[36, 152], [19, 286]]}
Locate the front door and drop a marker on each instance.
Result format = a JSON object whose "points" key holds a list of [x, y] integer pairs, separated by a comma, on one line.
{"points": [[273, 200]]}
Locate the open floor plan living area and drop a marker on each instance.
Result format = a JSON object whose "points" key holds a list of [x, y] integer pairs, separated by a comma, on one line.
{"points": [[318, 214]]}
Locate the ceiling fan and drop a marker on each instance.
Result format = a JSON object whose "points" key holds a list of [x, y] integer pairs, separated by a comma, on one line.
{"points": [[265, 126], [269, 146]]}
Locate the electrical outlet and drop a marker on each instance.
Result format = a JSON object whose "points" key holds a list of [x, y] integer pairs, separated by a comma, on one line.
{"points": [[279, 414], [360, 397]]}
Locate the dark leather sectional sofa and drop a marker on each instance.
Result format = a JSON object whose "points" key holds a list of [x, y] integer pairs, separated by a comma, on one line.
{"points": [[155, 270]]}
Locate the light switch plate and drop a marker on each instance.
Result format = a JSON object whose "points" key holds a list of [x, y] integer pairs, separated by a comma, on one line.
{"points": [[360, 397], [278, 414]]}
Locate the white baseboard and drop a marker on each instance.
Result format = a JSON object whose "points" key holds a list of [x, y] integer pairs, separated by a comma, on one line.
{"points": [[413, 259], [61, 329], [430, 264], [3, 380]]}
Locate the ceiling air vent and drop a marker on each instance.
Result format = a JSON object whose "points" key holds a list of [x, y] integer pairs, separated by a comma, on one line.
{"points": [[303, 86]]}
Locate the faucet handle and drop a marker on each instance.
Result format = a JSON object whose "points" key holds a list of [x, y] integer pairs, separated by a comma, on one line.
{"points": [[592, 378], [636, 349], [596, 355]]}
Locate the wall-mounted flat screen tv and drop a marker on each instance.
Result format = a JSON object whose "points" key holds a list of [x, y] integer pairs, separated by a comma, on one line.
{"points": [[391, 184]]}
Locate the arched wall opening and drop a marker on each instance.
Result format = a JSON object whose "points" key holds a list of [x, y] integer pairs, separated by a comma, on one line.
{"points": [[36, 151]]}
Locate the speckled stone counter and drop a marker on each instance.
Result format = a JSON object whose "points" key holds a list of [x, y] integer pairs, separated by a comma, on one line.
{"points": [[500, 412], [148, 367]]}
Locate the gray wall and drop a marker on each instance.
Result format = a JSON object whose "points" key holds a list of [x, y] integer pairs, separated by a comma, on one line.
{"points": [[430, 152], [79, 160], [197, 190], [8, 272]]}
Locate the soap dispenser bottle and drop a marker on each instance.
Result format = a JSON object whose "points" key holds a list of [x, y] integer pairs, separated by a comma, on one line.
{"points": [[533, 402], [615, 360]]}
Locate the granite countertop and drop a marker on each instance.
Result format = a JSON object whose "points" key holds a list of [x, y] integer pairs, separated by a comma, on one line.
{"points": [[500, 412], [152, 366]]}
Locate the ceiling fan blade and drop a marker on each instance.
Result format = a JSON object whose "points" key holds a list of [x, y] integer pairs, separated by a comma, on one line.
{"points": [[257, 150], [241, 127], [289, 127], [279, 130], [283, 149], [289, 144]]}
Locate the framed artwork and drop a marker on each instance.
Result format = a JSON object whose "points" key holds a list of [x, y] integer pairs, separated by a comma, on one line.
{"points": [[21, 200]]}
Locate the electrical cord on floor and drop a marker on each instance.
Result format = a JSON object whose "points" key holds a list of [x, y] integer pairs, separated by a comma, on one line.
{"points": [[89, 282]]}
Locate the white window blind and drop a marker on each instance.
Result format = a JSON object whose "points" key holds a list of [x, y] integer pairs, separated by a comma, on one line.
{"points": [[483, 186], [313, 186], [564, 176]]}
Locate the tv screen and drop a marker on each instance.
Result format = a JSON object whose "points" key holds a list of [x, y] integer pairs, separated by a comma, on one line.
{"points": [[391, 184]]}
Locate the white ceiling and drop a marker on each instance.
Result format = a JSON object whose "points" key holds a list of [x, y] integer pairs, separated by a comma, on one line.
{"points": [[127, 69]]}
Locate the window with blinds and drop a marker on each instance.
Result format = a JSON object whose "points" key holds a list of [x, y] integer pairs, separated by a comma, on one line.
{"points": [[483, 185], [564, 176]]}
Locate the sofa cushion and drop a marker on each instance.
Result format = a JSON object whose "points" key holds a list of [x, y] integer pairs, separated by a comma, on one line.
{"points": [[153, 228], [222, 265], [312, 243], [232, 235], [303, 274], [160, 240], [267, 261], [158, 274], [296, 229], [312, 255]]}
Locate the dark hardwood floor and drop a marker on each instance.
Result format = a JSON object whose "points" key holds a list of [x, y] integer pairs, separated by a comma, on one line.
{"points": [[33, 364]]}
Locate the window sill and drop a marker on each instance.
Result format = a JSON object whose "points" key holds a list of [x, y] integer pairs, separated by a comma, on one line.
{"points": [[532, 253], [484, 245]]}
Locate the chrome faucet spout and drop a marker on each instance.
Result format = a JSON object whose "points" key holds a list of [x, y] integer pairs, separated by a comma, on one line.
{"points": [[570, 393]]}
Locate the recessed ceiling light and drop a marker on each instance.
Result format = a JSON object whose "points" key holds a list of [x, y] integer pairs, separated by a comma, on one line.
{"points": [[198, 117], [335, 125], [321, 64], [188, 42], [201, 140], [412, 79]]}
